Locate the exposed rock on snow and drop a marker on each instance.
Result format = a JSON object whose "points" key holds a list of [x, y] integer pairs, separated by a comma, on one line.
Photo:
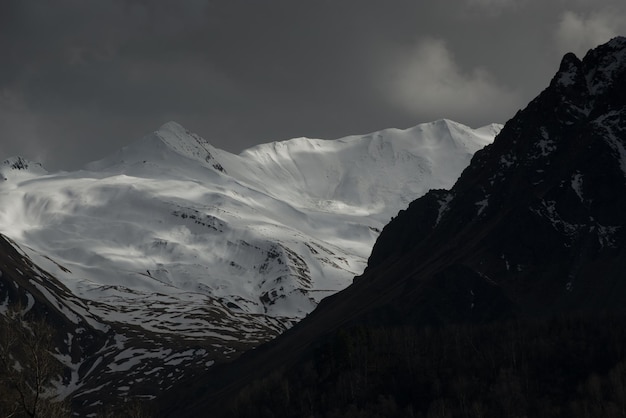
{"points": [[170, 239]]}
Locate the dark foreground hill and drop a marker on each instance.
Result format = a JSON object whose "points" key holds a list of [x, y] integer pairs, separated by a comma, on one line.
{"points": [[504, 296]]}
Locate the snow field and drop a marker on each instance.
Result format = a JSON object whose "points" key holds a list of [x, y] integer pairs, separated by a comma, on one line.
{"points": [[264, 234]]}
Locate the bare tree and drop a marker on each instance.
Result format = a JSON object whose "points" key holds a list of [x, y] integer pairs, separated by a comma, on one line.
{"points": [[28, 368]]}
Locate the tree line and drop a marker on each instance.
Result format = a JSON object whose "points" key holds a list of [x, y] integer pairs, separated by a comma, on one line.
{"points": [[558, 367], [28, 368]]}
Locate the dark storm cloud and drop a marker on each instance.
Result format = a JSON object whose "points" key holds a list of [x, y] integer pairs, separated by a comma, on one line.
{"points": [[80, 78]]}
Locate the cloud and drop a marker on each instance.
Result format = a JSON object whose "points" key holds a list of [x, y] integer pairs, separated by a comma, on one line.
{"points": [[430, 84], [497, 4], [491, 8], [19, 129], [578, 33], [491, 3]]}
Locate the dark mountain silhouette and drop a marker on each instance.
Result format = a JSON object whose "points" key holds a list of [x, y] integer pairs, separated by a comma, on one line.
{"points": [[532, 231], [538, 215]]}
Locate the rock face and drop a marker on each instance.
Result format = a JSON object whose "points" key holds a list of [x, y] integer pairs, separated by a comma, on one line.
{"points": [[540, 213], [534, 226]]}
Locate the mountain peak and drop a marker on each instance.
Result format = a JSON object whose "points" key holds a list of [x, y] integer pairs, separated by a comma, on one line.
{"points": [[605, 66], [619, 42], [188, 144], [534, 227], [169, 256], [19, 163], [171, 127], [447, 122], [570, 70], [545, 198], [18, 166], [164, 147]]}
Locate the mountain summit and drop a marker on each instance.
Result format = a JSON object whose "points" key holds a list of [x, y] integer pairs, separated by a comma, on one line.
{"points": [[171, 145], [19, 168], [173, 255], [538, 215]]}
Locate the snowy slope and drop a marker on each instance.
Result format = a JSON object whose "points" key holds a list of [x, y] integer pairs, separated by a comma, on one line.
{"points": [[17, 169], [173, 236], [378, 173], [271, 230]]}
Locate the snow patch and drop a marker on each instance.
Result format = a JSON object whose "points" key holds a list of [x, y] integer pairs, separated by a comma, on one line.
{"points": [[577, 186], [618, 146], [606, 235], [546, 147], [567, 78], [30, 302], [4, 305], [599, 81], [444, 205], [508, 160], [482, 205], [547, 210]]}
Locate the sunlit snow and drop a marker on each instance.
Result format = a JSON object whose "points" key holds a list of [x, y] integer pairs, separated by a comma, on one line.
{"points": [[169, 227]]}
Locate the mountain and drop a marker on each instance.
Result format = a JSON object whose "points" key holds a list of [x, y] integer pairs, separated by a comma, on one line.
{"points": [[540, 213], [171, 255], [525, 253], [18, 168]]}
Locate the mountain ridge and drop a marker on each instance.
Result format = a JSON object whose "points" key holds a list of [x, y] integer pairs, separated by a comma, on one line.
{"points": [[203, 253], [534, 228]]}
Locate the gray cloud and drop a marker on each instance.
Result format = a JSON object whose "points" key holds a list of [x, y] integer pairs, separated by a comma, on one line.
{"points": [[81, 78], [493, 7], [429, 82], [580, 32]]}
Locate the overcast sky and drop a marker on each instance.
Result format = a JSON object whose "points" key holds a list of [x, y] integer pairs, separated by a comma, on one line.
{"points": [[81, 78]]}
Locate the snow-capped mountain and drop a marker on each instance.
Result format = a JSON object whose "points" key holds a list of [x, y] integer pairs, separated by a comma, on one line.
{"points": [[15, 169], [535, 227], [203, 252]]}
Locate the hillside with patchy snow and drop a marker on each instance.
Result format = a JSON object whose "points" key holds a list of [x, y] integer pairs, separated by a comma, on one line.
{"points": [[171, 236], [505, 294]]}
